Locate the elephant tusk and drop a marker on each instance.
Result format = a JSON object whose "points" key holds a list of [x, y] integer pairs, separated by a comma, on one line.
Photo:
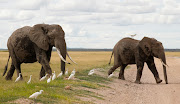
{"points": [[164, 63], [59, 53], [71, 58]]}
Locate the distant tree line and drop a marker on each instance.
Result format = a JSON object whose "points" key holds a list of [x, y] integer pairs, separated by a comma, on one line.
{"points": [[88, 49], [172, 50]]}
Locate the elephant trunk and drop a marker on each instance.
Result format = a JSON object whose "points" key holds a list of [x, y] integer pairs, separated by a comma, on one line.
{"points": [[62, 51], [163, 60]]}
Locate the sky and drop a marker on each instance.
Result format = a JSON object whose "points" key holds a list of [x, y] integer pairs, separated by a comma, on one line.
{"points": [[95, 23]]}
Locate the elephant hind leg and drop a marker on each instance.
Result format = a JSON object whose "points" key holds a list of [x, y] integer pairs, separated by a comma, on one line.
{"points": [[15, 64], [140, 66], [117, 63], [113, 69], [121, 73], [18, 70], [10, 72]]}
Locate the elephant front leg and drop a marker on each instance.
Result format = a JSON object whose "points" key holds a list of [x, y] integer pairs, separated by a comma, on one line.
{"points": [[152, 67], [48, 54], [43, 59], [46, 66], [139, 73], [42, 72]]}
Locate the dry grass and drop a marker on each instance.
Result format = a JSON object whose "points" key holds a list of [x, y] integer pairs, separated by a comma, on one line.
{"points": [[173, 54], [85, 60], [54, 91]]}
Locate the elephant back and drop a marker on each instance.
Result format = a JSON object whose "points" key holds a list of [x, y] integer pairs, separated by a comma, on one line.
{"points": [[18, 35]]}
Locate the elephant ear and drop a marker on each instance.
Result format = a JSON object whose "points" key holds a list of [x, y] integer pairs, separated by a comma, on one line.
{"points": [[145, 45], [38, 36]]}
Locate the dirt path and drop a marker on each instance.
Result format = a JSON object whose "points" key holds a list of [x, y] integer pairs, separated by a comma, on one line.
{"points": [[127, 92]]}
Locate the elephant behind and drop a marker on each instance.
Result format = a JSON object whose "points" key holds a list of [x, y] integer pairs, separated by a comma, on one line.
{"points": [[131, 51], [31, 44]]}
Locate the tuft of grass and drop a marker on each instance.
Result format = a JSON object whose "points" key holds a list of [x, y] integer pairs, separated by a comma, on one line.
{"points": [[92, 78]]}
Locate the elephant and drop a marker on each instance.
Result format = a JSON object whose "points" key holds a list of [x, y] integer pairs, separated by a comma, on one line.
{"points": [[131, 51], [31, 44]]}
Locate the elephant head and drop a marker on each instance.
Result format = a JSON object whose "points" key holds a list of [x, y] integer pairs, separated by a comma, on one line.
{"points": [[151, 46], [45, 36]]}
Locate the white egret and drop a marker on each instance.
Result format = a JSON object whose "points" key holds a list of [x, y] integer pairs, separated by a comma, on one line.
{"points": [[110, 75], [49, 79], [91, 72], [54, 76], [133, 35], [36, 94], [18, 78], [44, 77], [29, 80], [66, 73], [60, 74], [71, 76], [73, 72]]}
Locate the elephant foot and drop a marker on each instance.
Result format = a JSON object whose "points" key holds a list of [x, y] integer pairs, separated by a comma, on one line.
{"points": [[8, 78], [158, 81], [121, 77], [41, 75], [21, 78], [138, 82], [109, 72]]}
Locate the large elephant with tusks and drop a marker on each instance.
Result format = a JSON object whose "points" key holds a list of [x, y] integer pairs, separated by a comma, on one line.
{"points": [[131, 51], [31, 44]]}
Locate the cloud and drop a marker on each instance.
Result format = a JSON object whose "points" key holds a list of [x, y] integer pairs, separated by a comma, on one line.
{"points": [[171, 7], [6, 14], [30, 4], [93, 23], [25, 15], [70, 5], [106, 6]]}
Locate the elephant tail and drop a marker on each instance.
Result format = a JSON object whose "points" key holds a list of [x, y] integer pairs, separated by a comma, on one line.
{"points": [[111, 57], [5, 69]]}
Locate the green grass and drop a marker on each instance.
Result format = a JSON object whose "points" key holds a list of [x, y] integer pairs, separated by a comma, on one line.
{"points": [[54, 92]]}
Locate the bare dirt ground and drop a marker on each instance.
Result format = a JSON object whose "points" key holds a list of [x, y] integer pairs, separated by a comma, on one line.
{"points": [[127, 92]]}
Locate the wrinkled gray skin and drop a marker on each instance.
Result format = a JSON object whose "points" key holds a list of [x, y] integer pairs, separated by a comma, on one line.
{"points": [[31, 44], [131, 51]]}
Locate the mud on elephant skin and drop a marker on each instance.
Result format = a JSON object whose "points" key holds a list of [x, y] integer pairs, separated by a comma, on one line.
{"points": [[31, 44], [131, 51]]}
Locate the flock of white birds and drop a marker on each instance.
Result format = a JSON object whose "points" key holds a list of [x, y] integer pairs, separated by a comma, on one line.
{"points": [[53, 77]]}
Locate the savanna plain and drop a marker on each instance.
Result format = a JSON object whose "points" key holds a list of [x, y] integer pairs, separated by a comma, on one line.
{"points": [[96, 88]]}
